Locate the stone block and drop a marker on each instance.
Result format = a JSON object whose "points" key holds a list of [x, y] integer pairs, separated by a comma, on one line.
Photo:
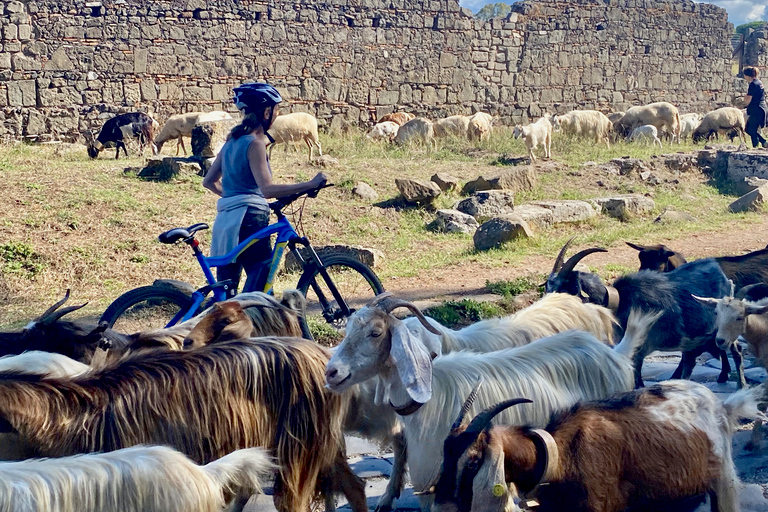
{"points": [[10, 31], [486, 204], [25, 32], [519, 179], [366, 255], [566, 211], [454, 221], [22, 93], [536, 216], [140, 56], [148, 90], [749, 201], [365, 191], [446, 182], [5, 61], [499, 230], [59, 61], [417, 191], [221, 92], [746, 164], [625, 206], [14, 7], [194, 93]]}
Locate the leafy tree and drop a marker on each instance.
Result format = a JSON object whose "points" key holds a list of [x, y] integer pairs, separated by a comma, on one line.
{"points": [[742, 29], [499, 10]]}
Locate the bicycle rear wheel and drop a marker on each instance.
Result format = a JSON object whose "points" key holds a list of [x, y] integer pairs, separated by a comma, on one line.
{"points": [[355, 281], [145, 308]]}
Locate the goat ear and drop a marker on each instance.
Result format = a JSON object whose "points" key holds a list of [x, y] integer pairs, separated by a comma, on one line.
{"points": [[414, 365], [489, 488], [755, 310], [707, 301]]}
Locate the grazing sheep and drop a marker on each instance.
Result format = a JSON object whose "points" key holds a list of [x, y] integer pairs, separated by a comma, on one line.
{"points": [[383, 131], [584, 123], [296, 127], [722, 119], [181, 125], [137, 479], [646, 132], [662, 115], [400, 118], [417, 130], [453, 126], [36, 362], [122, 128], [427, 393], [534, 134], [265, 392], [660, 448], [615, 116], [480, 126]]}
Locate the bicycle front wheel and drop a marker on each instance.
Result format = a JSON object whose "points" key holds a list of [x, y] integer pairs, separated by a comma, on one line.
{"points": [[146, 308], [355, 282]]}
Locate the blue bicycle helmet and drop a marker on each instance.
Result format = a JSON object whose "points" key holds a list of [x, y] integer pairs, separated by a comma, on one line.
{"points": [[254, 95]]}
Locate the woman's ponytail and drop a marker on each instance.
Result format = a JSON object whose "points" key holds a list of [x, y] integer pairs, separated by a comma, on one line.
{"points": [[250, 122]]}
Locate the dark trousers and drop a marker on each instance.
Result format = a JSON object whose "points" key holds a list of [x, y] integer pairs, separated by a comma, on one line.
{"points": [[753, 126], [252, 260]]}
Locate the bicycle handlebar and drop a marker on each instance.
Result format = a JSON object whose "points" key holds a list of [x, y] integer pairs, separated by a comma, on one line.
{"points": [[281, 203]]}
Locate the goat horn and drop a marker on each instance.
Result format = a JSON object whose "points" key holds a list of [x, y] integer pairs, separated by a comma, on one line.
{"points": [[635, 246], [733, 288], [561, 256], [60, 313], [468, 403], [380, 297], [430, 490], [576, 258], [390, 304], [48, 317], [746, 289], [482, 420]]}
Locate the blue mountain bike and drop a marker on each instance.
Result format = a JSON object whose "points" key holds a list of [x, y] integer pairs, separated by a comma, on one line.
{"points": [[334, 286]]}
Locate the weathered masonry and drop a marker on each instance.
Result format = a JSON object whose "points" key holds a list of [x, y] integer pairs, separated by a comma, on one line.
{"points": [[63, 63]]}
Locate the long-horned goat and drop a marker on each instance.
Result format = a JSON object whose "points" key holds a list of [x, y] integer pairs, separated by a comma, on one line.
{"points": [[426, 393], [122, 128], [137, 479], [685, 324], [206, 403], [660, 448], [181, 125]]}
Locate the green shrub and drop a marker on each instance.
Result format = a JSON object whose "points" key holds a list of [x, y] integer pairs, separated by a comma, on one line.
{"points": [[20, 258], [464, 312], [516, 286]]}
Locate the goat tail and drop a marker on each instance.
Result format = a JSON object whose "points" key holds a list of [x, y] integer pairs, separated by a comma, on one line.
{"points": [[743, 405], [242, 471], [638, 326]]}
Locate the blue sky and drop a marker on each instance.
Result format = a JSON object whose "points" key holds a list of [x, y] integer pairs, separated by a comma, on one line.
{"points": [[739, 11]]}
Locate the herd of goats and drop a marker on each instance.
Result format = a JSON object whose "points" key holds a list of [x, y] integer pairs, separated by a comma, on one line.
{"points": [[542, 410]]}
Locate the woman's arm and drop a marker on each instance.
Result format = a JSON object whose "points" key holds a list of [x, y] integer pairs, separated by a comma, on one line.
{"points": [[257, 158], [212, 180]]}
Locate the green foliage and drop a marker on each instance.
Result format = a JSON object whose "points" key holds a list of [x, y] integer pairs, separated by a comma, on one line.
{"points": [[323, 333], [464, 312], [20, 258], [507, 288], [499, 10], [742, 29]]}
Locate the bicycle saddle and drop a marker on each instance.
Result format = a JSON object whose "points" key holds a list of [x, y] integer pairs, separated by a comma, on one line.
{"points": [[174, 235]]}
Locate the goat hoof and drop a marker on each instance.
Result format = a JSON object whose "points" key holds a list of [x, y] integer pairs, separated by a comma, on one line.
{"points": [[722, 379]]}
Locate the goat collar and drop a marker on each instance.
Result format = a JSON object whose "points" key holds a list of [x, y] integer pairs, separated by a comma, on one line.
{"points": [[408, 409], [613, 298], [547, 458]]}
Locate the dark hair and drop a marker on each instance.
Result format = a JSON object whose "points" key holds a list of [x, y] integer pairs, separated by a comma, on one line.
{"points": [[751, 71], [251, 120]]}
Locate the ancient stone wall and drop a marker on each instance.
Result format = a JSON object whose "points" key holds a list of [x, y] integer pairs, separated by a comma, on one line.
{"points": [[756, 49], [66, 64]]}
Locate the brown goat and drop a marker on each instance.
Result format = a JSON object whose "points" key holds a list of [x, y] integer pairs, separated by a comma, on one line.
{"points": [[206, 403], [658, 257], [660, 448], [399, 118]]}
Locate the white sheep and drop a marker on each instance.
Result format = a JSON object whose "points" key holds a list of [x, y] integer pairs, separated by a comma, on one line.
{"points": [[662, 115], [136, 479], [646, 132], [687, 126], [417, 130], [480, 126], [383, 131], [296, 127], [584, 123], [534, 134], [36, 362], [456, 126], [722, 119], [181, 125]]}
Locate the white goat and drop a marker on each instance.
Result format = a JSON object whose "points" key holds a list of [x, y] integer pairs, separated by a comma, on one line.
{"points": [[456, 126], [646, 132], [36, 362], [296, 127], [181, 125], [534, 134], [136, 479], [584, 123], [559, 371], [480, 126], [417, 130], [383, 131]]}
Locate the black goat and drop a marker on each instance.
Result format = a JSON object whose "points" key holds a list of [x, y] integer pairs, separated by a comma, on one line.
{"points": [[133, 125], [75, 339], [658, 257], [685, 324]]}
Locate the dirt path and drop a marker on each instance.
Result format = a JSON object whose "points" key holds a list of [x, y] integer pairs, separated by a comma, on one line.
{"points": [[468, 278]]}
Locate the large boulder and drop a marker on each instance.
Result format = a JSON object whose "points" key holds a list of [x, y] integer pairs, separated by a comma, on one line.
{"points": [[500, 230], [518, 179], [484, 205], [543, 214], [365, 191], [453, 221], [417, 191], [370, 257], [749, 201], [446, 182], [624, 206]]}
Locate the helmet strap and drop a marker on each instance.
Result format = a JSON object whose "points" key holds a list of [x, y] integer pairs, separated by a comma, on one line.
{"points": [[266, 123]]}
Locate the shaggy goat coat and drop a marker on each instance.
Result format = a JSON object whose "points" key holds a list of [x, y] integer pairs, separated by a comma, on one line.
{"points": [[137, 479], [266, 392]]}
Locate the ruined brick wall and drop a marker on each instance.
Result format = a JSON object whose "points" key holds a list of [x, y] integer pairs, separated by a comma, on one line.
{"points": [[66, 65], [756, 49]]}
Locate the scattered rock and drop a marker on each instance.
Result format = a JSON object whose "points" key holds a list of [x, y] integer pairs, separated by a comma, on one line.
{"points": [[627, 165], [364, 191], [681, 162], [484, 205], [567, 210], [645, 175], [536, 216], [624, 206], [499, 230], [453, 221], [167, 168], [416, 191], [325, 161], [371, 257], [446, 182], [519, 179], [671, 216], [749, 201]]}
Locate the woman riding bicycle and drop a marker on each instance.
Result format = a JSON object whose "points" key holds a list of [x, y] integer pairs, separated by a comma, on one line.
{"points": [[242, 176]]}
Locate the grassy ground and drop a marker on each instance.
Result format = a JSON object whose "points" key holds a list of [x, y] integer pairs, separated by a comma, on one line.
{"points": [[69, 222]]}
